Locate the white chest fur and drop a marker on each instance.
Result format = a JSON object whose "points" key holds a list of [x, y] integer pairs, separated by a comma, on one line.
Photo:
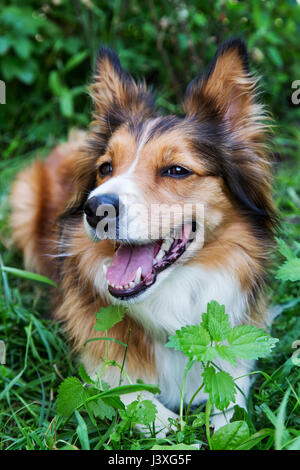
{"points": [[178, 301]]}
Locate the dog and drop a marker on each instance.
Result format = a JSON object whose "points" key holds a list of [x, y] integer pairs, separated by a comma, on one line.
{"points": [[213, 159]]}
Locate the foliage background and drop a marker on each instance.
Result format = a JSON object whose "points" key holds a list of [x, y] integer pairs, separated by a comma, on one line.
{"points": [[47, 55]]}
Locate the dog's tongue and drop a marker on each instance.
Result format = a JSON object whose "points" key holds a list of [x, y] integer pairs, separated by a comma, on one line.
{"points": [[126, 262]]}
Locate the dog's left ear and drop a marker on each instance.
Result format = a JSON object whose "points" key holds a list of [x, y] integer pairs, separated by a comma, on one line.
{"points": [[225, 94], [226, 90]]}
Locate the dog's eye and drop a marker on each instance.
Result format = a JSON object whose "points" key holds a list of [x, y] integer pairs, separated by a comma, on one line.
{"points": [[176, 171], [105, 169]]}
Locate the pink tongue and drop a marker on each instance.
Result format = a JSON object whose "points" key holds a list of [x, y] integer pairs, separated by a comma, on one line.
{"points": [[126, 262]]}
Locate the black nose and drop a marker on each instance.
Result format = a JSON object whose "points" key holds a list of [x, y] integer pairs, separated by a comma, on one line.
{"points": [[109, 208]]}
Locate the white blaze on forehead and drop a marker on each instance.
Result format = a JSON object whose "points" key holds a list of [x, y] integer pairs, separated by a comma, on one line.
{"points": [[124, 184], [143, 139]]}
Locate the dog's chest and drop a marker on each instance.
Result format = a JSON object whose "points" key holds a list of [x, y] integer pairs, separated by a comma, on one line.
{"points": [[178, 302]]}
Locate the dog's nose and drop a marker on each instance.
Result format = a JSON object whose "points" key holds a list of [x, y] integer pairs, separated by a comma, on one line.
{"points": [[109, 208]]}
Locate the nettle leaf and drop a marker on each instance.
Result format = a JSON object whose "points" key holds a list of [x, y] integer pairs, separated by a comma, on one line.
{"points": [[290, 270], [108, 317], [220, 387], [193, 341], [101, 409], [203, 353], [114, 401], [249, 342], [71, 394], [141, 412], [226, 353], [216, 321], [230, 436]]}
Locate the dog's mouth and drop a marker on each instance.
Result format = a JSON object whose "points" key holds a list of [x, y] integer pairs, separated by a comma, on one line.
{"points": [[134, 267]]}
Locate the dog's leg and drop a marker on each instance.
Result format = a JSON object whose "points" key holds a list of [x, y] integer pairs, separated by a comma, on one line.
{"points": [[162, 424], [219, 419]]}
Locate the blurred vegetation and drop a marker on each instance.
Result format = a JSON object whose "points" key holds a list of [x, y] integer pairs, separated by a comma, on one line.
{"points": [[47, 55]]}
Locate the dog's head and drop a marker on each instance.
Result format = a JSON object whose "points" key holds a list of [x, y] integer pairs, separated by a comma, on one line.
{"points": [[162, 187]]}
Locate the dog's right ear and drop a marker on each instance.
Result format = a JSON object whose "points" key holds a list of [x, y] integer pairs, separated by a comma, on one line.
{"points": [[117, 99], [116, 95]]}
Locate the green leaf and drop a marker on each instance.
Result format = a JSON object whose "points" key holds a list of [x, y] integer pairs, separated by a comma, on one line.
{"points": [[76, 60], [5, 43], [82, 432], [193, 341], [294, 444], [124, 389], [108, 317], [28, 275], [71, 394], [290, 270], [84, 376], [249, 342], [281, 432], [142, 412], [226, 353], [199, 420], [23, 48], [255, 439], [114, 401], [101, 409], [230, 436], [220, 387], [28, 72], [55, 83], [203, 353], [66, 103], [216, 321]]}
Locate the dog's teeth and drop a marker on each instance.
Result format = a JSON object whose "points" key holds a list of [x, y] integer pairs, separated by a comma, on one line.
{"points": [[131, 284], [138, 275]]}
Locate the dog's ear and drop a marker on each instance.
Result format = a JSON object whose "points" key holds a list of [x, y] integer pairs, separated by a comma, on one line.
{"points": [[226, 95], [116, 95], [226, 90]]}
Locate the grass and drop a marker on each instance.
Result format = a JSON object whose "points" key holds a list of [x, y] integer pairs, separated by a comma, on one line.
{"points": [[39, 356]]}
